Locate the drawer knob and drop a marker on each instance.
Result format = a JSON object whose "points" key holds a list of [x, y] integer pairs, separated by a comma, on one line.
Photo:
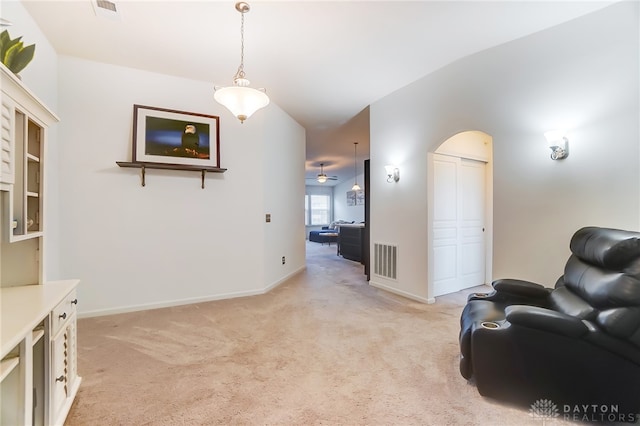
{"points": [[63, 315], [60, 379], [74, 302]]}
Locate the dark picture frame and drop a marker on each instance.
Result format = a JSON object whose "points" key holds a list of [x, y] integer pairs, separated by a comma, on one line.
{"points": [[167, 136]]}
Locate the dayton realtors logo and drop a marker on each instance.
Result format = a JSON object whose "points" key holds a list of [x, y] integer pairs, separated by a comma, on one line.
{"points": [[545, 409]]}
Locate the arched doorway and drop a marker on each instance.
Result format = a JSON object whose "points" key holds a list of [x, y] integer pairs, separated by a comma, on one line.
{"points": [[460, 209]]}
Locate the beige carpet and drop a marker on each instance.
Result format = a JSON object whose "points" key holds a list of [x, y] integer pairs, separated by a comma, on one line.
{"points": [[324, 348]]}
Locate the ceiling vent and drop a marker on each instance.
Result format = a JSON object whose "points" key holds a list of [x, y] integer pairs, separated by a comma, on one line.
{"points": [[106, 9]]}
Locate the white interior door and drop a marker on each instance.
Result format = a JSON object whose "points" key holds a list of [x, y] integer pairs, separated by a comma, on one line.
{"points": [[458, 224]]}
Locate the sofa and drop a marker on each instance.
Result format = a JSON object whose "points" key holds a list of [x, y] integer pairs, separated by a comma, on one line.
{"points": [[576, 345], [325, 235], [328, 234]]}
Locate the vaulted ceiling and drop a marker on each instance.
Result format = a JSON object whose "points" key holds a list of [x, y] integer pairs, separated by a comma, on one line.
{"points": [[323, 62]]}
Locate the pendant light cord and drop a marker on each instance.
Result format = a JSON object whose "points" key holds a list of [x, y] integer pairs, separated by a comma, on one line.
{"points": [[355, 162], [240, 73]]}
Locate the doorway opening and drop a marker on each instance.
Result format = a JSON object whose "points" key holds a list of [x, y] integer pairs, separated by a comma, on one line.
{"points": [[460, 209]]}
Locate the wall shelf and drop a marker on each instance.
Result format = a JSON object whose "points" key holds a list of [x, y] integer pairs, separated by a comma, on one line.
{"points": [[146, 165]]}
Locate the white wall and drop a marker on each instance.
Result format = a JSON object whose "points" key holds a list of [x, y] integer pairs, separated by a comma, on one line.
{"points": [[41, 75], [341, 211], [582, 75], [171, 241], [283, 192], [472, 144]]}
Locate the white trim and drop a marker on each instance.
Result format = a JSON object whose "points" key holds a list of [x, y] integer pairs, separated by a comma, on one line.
{"points": [[402, 293], [188, 301], [488, 212], [285, 278]]}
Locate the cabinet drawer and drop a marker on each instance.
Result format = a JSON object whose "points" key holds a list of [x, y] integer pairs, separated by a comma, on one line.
{"points": [[61, 313]]}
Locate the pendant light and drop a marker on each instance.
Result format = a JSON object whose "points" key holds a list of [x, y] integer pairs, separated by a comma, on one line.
{"points": [[355, 186], [241, 99]]}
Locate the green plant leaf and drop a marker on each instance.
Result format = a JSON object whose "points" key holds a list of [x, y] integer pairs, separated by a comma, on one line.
{"points": [[11, 52], [4, 41], [22, 58], [7, 45]]}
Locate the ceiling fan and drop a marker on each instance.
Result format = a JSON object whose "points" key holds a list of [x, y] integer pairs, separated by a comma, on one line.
{"points": [[321, 177]]}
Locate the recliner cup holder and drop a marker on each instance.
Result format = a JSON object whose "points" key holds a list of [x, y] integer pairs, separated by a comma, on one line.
{"points": [[490, 325], [481, 294]]}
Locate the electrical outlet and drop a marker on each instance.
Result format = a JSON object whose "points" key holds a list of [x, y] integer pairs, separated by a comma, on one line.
{"points": [[268, 217], [283, 260]]}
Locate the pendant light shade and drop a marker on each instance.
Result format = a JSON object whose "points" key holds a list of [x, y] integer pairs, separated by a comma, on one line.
{"points": [[241, 99]]}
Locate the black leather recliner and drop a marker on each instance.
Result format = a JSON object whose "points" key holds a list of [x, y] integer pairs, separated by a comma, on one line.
{"points": [[576, 344]]}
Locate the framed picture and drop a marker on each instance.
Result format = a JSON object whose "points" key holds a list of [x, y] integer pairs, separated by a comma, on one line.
{"points": [[351, 198], [355, 198], [175, 137]]}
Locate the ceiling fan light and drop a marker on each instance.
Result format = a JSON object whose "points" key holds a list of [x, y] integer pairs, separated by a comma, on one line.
{"points": [[322, 178], [242, 101]]}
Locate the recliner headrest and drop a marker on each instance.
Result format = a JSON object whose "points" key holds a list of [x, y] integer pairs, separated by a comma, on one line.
{"points": [[608, 248]]}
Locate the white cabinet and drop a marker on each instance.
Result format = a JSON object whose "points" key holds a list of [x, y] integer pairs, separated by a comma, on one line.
{"points": [[39, 353], [25, 120], [64, 371], [38, 359]]}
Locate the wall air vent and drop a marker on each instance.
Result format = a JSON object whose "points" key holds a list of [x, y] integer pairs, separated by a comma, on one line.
{"points": [[385, 260], [106, 9]]}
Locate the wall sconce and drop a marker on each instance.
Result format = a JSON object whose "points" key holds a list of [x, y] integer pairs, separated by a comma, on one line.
{"points": [[558, 143], [393, 173]]}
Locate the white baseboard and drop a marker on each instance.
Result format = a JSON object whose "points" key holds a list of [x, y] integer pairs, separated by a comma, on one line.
{"points": [[402, 293], [187, 301], [285, 278], [167, 304]]}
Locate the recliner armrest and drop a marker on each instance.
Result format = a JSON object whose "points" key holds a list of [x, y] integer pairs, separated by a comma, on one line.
{"points": [[521, 288], [515, 292], [546, 320]]}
